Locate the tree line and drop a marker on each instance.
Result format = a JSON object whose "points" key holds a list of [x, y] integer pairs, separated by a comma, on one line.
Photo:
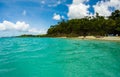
{"points": [[95, 25]]}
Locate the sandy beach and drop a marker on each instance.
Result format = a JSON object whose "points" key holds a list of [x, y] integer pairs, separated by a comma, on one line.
{"points": [[112, 38]]}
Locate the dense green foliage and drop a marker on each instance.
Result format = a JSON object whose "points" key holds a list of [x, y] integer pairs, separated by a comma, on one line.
{"points": [[97, 25], [29, 35]]}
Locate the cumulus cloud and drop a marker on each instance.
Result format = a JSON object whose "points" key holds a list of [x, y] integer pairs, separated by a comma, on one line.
{"points": [[56, 16], [104, 8], [2, 27], [19, 27], [78, 9]]}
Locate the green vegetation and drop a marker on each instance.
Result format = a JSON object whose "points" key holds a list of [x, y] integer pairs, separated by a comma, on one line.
{"points": [[29, 35], [97, 26]]}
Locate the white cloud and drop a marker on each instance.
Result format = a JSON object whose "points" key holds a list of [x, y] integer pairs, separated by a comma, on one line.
{"points": [[56, 16], [34, 30], [24, 12], [62, 17], [78, 9], [54, 3], [79, 1], [2, 27], [19, 27], [103, 8], [22, 26], [43, 2]]}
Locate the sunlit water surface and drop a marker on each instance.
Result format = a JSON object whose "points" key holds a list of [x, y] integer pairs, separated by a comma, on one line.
{"points": [[57, 57]]}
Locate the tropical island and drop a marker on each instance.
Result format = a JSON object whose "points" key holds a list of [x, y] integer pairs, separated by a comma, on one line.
{"points": [[98, 26]]}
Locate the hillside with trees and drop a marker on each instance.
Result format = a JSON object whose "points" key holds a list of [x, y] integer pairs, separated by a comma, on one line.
{"points": [[96, 26]]}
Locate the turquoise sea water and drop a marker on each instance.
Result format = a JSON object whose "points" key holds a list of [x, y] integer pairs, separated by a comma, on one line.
{"points": [[55, 57]]}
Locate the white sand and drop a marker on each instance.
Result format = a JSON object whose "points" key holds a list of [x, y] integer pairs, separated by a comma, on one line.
{"points": [[116, 38]]}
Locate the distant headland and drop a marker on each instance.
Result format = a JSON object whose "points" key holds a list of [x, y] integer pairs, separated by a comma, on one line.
{"points": [[97, 26]]}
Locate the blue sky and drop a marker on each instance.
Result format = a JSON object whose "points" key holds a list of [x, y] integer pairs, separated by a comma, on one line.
{"points": [[36, 16]]}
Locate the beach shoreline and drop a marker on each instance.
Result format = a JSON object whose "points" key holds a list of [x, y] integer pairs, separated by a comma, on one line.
{"points": [[114, 38], [107, 38]]}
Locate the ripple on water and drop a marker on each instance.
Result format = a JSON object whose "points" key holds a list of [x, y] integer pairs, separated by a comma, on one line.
{"points": [[7, 70], [69, 58]]}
